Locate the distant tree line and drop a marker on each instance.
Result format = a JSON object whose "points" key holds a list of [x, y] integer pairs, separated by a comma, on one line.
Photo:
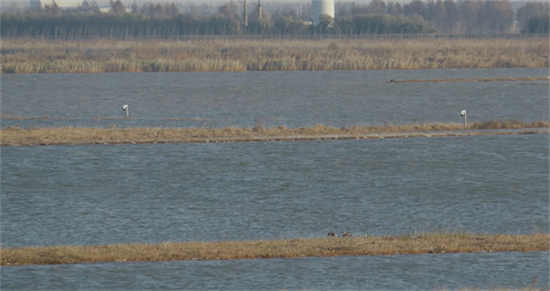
{"points": [[378, 17], [534, 17], [460, 17], [537, 24]]}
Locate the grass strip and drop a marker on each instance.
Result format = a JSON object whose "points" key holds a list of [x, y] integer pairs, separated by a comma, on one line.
{"points": [[284, 248], [15, 136], [472, 80]]}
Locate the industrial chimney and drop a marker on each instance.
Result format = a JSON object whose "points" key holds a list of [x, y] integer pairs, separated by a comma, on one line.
{"points": [[321, 7]]}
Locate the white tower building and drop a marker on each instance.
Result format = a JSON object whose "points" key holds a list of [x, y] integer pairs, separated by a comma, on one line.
{"points": [[321, 7], [36, 5]]}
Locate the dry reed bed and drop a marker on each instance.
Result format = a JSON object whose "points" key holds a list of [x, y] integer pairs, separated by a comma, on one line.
{"points": [[15, 136], [471, 80], [286, 248], [43, 56]]}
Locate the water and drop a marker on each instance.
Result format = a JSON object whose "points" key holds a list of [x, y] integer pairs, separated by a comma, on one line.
{"points": [[403, 272], [95, 194], [292, 99], [80, 195]]}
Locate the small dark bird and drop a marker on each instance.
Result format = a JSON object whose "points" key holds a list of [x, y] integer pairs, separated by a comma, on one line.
{"points": [[345, 234], [332, 234], [391, 81]]}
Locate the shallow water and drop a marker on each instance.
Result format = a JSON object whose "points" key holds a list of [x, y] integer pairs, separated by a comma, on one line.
{"points": [[292, 99], [402, 272], [96, 194]]}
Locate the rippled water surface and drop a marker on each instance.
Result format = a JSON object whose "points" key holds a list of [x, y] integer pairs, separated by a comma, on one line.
{"points": [[278, 98], [65, 195], [403, 272], [96, 194]]}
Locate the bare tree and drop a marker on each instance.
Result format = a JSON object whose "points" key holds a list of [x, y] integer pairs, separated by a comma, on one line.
{"points": [[416, 7], [155, 10], [135, 8], [394, 8], [467, 16], [452, 15], [376, 7], [53, 9], [499, 15], [171, 10], [226, 11], [94, 7], [85, 5], [531, 9], [440, 16], [117, 7]]}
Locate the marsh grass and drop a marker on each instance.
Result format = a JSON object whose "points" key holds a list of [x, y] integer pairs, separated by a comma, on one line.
{"points": [[43, 56], [16, 136], [285, 248]]}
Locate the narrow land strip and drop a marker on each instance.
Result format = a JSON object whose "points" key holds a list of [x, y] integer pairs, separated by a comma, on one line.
{"points": [[286, 248], [15, 136]]}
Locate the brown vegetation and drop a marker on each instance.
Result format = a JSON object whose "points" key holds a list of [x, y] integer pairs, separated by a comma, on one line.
{"points": [[287, 248], [472, 80], [43, 56], [15, 136]]}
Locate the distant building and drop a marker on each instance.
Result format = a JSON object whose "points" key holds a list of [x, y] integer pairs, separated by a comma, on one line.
{"points": [[515, 27], [63, 4], [320, 8]]}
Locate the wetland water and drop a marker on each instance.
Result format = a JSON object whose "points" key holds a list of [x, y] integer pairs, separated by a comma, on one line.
{"points": [[95, 194], [292, 99], [402, 272]]}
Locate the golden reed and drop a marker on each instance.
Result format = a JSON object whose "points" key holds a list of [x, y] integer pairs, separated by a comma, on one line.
{"points": [[284, 248], [98, 56]]}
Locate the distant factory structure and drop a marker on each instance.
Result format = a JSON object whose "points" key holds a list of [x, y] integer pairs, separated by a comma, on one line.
{"points": [[320, 8], [63, 4]]}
